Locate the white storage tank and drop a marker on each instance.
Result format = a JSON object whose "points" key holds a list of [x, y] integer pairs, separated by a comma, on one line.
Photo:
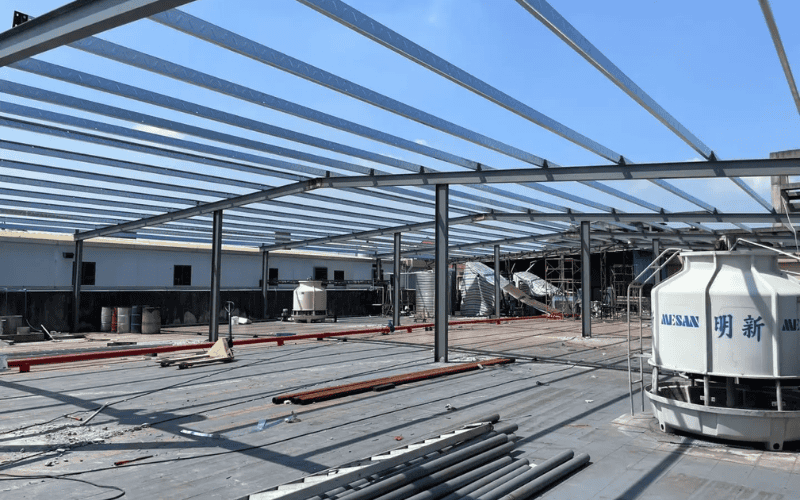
{"points": [[728, 325], [309, 302]]}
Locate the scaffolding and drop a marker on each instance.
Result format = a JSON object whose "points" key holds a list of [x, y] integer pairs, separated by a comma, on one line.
{"points": [[565, 274]]}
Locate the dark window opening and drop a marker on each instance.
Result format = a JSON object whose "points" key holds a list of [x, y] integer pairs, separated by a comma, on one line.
{"points": [[273, 276], [320, 273], [88, 273], [338, 276], [182, 276]]}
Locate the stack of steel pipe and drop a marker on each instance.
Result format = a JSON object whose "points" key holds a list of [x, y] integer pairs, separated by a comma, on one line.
{"points": [[339, 391], [482, 467]]}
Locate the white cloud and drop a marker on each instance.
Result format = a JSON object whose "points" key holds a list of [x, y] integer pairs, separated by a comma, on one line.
{"points": [[159, 131], [421, 142]]}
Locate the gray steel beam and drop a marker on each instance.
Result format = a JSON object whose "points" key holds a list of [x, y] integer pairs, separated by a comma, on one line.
{"points": [[111, 129], [144, 61], [216, 274], [776, 40], [548, 16], [586, 280], [74, 21], [441, 281], [497, 281], [343, 13], [372, 29], [396, 290], [264, 283], [692, 170], [234, 42], [77, 277]]}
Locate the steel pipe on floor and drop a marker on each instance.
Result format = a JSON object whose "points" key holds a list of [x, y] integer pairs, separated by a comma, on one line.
{"points": [[453, 471], [496, 486], [383, 487], [507, 473], [536, 485], [464, 479]]}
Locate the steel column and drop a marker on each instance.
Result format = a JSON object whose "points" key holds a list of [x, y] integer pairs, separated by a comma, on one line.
{"points": [[396, 289], [586, 280], [264, 282], [216, 261], [77, 276], [440, 273], [656, 252], [497, 281]]}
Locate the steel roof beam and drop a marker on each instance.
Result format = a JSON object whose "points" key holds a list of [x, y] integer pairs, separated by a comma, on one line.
{"points": [[744, 168], [548, 16], [776, 40], [147, 62], [74, 21], [359, 22], [141, 135]]}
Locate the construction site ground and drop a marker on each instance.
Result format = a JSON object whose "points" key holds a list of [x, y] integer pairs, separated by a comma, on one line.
{"points": [[199, 427]]}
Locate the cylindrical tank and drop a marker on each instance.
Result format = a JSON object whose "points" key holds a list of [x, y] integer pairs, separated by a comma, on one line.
{"points": [[426, 294], [151, 320], [731, 314], [106, 314], [309, 302], [136, 319], [123, 320]]}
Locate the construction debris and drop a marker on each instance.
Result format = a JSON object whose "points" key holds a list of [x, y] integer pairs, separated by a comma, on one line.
{"points": [[219, 352]]}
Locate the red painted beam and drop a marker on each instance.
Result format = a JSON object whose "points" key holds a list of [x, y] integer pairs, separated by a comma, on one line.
{"points": [[339, 391], [24, 364]]}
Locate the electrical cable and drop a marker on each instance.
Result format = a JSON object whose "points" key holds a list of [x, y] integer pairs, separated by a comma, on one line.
{"points": [[15, 477]]}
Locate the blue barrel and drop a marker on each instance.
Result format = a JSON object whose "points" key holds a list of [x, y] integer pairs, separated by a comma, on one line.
{"points": [[136, 319]]}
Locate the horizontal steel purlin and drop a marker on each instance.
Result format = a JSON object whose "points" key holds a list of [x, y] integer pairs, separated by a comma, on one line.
{"points": [[24, 364]]}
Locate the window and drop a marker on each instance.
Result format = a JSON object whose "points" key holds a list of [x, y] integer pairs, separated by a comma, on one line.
{"points": [[273, 276], [320, 273], [88, 273], [338, 276], [182, 276]]}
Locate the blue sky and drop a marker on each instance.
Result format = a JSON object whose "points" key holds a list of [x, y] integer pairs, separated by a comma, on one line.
{"points": [[710, 64]]}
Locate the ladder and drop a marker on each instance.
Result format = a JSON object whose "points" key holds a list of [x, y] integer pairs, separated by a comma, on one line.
{"points": [[636, 352]]}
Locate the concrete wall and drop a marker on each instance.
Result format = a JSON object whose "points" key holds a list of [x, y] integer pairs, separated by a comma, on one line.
{"points": [[41, 263]]}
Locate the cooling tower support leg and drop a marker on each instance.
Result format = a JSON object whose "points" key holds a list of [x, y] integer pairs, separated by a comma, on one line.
{"points": [[440, 273], [497, 281], [264, 283], [730, 392], [586, 280], [77, 277], [216, 264], [396, 289]]}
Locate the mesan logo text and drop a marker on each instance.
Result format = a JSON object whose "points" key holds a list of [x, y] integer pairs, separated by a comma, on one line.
{"points": [[678, 320]]}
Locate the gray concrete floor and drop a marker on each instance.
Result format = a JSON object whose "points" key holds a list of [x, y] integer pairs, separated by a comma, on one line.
{"points": [[576, 399]]}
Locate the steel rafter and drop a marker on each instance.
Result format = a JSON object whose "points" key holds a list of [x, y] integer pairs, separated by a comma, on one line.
{"points": [[74, 21], [743, 168], [341, 12]]}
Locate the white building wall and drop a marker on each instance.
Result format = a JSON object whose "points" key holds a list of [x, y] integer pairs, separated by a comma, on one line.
{"points": [[34, 263]]}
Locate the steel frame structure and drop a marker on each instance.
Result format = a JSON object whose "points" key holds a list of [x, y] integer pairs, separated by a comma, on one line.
{"points": [[339, 201]]}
